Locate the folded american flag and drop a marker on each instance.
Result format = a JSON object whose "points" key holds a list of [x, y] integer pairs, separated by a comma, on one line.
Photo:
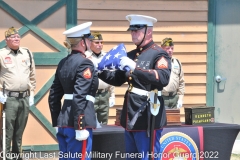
{"points": [[111, 60]]}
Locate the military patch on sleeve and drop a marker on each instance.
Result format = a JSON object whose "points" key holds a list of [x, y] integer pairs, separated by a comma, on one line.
{"points": [[162, 63], [87, 73]]}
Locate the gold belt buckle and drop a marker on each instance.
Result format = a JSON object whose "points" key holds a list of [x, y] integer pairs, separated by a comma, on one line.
{"points": [[130, 88]]}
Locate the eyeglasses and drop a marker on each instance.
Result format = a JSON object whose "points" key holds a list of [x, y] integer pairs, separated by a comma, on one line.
{"points": [[15, 37], [97, 42]]}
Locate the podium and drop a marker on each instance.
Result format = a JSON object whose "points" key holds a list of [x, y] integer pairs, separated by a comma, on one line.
{"points": [[218, 138]]}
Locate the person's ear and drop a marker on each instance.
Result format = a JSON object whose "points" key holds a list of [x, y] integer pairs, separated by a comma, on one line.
{"points": [[82, 43], [149, 32]]}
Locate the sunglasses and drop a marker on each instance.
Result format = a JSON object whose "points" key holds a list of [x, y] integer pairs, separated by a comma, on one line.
{"points": [[139, 26]]}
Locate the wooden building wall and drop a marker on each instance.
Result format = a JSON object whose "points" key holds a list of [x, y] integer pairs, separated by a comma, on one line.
{"points": [[183, 20]]}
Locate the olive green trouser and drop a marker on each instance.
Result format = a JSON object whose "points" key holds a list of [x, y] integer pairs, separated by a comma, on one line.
{"points": [[170, 102], [17, 110], [101, 106]]}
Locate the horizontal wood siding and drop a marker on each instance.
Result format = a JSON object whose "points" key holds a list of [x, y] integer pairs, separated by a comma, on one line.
{"points": [[183, 20]]}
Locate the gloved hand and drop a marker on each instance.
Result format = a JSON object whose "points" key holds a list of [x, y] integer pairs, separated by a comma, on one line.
{"points": [[98, 124], [56, 128], [111, 101], [31, 101], [179, 104], [125, 61], [81, 134], [3, 98]]}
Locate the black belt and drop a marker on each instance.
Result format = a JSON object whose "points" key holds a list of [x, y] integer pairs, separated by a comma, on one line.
{"points": [[18, 94], [172, 93]]}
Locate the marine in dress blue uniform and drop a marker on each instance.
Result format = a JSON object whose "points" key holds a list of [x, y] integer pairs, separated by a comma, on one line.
{"points": [[76, 80], [150, 69]]}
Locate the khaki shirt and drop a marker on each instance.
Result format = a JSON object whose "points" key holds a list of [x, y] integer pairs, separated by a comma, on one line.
{"points": [[176, 83], [96, 60], [15, 70]]}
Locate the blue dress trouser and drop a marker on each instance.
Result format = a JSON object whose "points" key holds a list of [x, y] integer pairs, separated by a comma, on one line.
{"points": [[72, 149], [138, 144]]}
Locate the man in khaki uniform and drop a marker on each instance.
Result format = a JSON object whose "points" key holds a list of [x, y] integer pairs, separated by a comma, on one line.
{"points": [[105, 96], [173, 93], [17, 76]]}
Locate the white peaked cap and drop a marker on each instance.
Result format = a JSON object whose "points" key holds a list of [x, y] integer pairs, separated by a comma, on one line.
{"points": [[79, 30], [141, 19]]}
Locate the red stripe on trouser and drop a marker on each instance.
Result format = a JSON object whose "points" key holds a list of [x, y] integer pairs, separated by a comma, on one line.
{"points": [[153, 144], [84, 146]]}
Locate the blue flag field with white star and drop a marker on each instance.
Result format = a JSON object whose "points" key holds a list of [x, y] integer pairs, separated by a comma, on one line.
{"points": [[111, 61]]}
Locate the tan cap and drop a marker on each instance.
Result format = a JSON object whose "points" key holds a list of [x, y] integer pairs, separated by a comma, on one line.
{"points": [[97, 36], [167, 42], [10, 32]]}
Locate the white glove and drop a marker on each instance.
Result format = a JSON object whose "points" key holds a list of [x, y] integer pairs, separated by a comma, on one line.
{"points": [[111, 101], [31, 101], [179, 104], [56, 128], [81, 134], [125, 61], [98, 124], [3, 98]]}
